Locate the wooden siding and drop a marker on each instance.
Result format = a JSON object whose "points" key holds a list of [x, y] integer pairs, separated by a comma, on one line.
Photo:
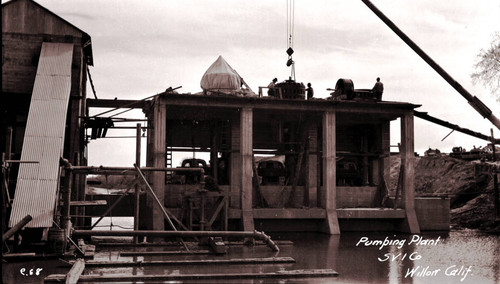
{"points": [[20, 53], [25, 16]]}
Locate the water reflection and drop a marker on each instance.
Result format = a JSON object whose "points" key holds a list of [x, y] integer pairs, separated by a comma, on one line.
{"points": [[455, 257]]}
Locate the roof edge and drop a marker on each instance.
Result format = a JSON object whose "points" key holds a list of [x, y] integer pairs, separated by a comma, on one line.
{"points": [[86, 39]]}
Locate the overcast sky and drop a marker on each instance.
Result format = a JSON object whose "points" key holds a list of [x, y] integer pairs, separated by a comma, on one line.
{"points": [[142, 47]]}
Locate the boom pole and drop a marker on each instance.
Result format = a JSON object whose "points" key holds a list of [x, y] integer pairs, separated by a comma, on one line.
{"points": [[477, 104]]}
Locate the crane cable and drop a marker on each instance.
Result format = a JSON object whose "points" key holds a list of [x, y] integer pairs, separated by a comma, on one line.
{"points": [[290, 20], [290, 7]]}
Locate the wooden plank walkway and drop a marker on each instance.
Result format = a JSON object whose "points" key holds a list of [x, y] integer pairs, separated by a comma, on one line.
{"points": [[176, 252], [286, 274], [265, 260]]}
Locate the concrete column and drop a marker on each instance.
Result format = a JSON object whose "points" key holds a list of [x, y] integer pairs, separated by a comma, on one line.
{"points": [[410, 224], [246, 144], [158, 155], [329, 189]]}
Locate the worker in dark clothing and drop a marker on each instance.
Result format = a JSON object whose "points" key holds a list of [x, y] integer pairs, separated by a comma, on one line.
{"points": [[378, 89], [309, 91], [270, 87]]}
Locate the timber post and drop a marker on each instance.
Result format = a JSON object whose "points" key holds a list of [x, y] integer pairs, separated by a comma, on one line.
{"points": [[159, 151]]}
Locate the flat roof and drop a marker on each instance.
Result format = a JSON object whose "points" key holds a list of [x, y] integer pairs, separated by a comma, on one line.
{"points": [[219, 101], [185, 102]]}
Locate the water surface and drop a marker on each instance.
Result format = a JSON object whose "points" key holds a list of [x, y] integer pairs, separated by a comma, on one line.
{"points": [[452, 257]]}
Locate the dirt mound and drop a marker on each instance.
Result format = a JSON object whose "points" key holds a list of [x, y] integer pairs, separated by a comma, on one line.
{"points": [[471, 197]]}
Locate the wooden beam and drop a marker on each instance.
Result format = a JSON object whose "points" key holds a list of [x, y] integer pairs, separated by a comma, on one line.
{"points": [[151, 253], [246, 137], [408, 180], [329, 189], [18, 226], [107, 103], [159, 151], [88, 203], [130, 170], [264, 260], [396, 108], [75, 272], [282, 274]]}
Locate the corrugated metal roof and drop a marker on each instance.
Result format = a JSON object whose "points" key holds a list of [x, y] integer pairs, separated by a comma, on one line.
{"points": [[37, 185]]}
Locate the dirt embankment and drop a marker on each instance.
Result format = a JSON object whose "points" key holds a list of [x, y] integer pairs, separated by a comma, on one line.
{"points": [[471, 197]]}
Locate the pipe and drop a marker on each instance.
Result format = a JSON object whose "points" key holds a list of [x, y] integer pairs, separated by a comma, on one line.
{"points": [[68, 183], [137, 192], [473, 101], [241, 234], [130, 170], [16, 228], [155, 197], [424, 115]]}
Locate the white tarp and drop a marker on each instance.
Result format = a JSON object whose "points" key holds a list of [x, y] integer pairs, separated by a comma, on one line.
{"points": [[221, 77]]}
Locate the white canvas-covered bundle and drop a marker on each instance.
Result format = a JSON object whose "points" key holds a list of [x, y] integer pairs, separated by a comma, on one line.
{"points": [[220, 77]]}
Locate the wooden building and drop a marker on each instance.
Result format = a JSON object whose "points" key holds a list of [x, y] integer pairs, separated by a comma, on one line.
{"points": [[335, 156], [26, 26]]}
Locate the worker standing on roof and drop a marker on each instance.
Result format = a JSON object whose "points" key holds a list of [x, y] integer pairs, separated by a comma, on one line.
{"points": [[378, 89], [271, 86], [309, 91]]}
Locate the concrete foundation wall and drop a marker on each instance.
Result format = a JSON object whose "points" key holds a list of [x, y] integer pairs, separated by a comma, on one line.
{"points": [[433, 214], [175, 194], [354, 197], [369, 225], [347, 197], [287, 225], [278, 196]]}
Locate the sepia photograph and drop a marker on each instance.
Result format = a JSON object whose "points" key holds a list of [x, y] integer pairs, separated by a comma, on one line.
{"points": [[204, 141]]}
